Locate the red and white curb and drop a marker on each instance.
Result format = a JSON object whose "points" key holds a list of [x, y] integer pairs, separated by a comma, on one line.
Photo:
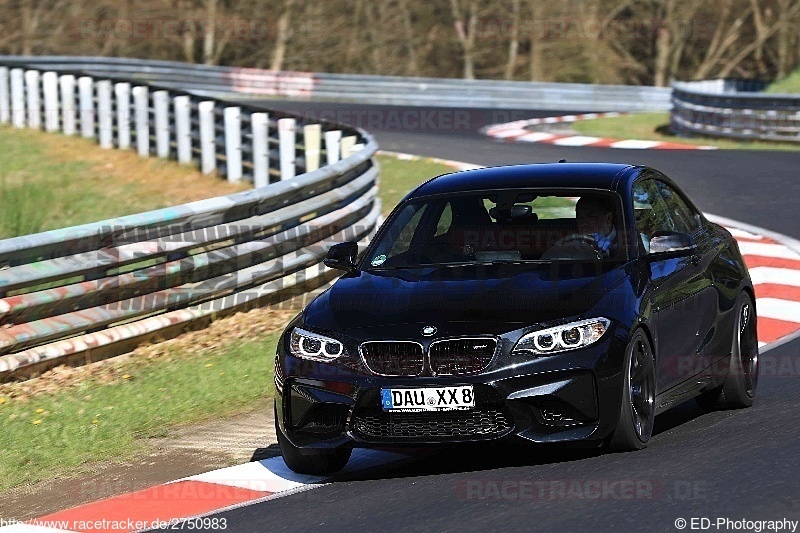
{"points": [[518, 131], [775, 271], [774, 264], [172, 503]]}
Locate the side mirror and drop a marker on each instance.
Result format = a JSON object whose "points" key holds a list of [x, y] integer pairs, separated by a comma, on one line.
{"points": [[342, 256], [671, 244]]}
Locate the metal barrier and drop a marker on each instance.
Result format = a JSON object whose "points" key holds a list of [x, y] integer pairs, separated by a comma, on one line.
{"points": [[92, 291], [730, 108], [390, 90]]}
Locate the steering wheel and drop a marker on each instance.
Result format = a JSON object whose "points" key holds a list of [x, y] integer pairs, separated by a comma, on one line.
{"points": [[578, 241]]}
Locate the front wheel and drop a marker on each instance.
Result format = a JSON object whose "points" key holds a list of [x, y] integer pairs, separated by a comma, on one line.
{"points": [[638, 410], [739, 389], [317, 465]]}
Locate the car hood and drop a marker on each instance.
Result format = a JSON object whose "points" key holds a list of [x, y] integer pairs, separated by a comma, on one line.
{"points": [[493, 295]]}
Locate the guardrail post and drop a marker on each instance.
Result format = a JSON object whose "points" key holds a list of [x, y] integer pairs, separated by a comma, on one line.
{"points": [[18, 97], [233, 143], [5, 105], [68, 120], [260, 125], [141, 104], [161, 108], [50, 92], [183, 128], [34, 102], [122, 91], [348, 143], [332, 142], [208, 134], [311, 140], [287, 128], [86, 102], [105, 122]]}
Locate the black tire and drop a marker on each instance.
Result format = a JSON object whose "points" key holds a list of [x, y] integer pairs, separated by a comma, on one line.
{"points": [[316, 465], [638, 407], [741, 382]]}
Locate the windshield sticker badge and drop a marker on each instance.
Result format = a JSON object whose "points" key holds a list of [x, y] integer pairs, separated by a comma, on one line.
{"points": [[379, 260]]}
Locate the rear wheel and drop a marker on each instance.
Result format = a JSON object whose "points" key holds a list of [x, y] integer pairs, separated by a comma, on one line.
{"points": [[739, 389], [638, 410], [319, 464]]}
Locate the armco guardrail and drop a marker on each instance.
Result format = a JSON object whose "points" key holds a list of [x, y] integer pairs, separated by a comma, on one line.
{"points": [[732, 108], [374, 89], [91, 291]]}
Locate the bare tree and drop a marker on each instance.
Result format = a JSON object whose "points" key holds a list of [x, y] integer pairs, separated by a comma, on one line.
{"points": [[672, 33], [600, 41], [465, 20], [727, 33], [513, 41], [210, 33], [408, 30], [282, 37], [760, 38], [787, 33], [535, 56]]}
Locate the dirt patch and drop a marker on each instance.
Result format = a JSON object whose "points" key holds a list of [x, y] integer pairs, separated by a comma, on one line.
{"points": [[186, 451]]}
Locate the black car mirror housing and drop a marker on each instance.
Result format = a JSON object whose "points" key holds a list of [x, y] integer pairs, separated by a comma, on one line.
{"points": [[343, 256]]}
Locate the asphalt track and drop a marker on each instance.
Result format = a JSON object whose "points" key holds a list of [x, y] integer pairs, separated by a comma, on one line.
{"points": [[739, 465]]}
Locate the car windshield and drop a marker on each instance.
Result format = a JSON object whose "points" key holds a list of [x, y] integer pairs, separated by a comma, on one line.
{"points": [[500, 227]]}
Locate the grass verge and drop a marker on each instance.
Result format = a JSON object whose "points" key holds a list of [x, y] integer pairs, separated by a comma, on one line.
{"points": [[399, 176], [653, 127], [50, 181], [105, 410], [788, 85], [110, 409]]}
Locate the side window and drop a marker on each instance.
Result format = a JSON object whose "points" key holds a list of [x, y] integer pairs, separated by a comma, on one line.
{"points": [[401, 232], [445, 220], [688, 217], [651, 212]]}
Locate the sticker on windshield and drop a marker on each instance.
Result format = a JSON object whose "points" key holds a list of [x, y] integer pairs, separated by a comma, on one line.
{"points": [[379, 260]]}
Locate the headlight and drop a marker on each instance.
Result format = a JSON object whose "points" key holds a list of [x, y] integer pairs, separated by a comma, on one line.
{"points": [[314, 346], [562, 338]]}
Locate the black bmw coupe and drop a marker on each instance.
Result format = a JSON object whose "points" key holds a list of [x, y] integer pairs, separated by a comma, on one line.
{"points": [[560, 302]]}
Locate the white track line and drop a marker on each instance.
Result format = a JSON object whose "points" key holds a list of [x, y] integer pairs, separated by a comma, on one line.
{"points": [[577, 140], [510, 133], [535, 136], [780, 309], [740, 233], [780, 276], [768, 250], [269, 475], [272, 475], [634, 144]]}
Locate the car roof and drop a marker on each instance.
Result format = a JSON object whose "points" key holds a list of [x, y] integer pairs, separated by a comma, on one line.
{"points": [[542, 175]]}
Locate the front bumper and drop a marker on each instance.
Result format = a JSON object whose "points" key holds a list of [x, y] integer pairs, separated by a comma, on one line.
{"points": [[568, 397]]}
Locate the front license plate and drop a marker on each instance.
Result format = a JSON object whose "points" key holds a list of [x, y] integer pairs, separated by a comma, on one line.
{"points": [[428, 399]]}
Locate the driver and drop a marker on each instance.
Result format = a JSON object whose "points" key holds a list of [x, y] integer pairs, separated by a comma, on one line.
{"points": [[595, 217]]}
